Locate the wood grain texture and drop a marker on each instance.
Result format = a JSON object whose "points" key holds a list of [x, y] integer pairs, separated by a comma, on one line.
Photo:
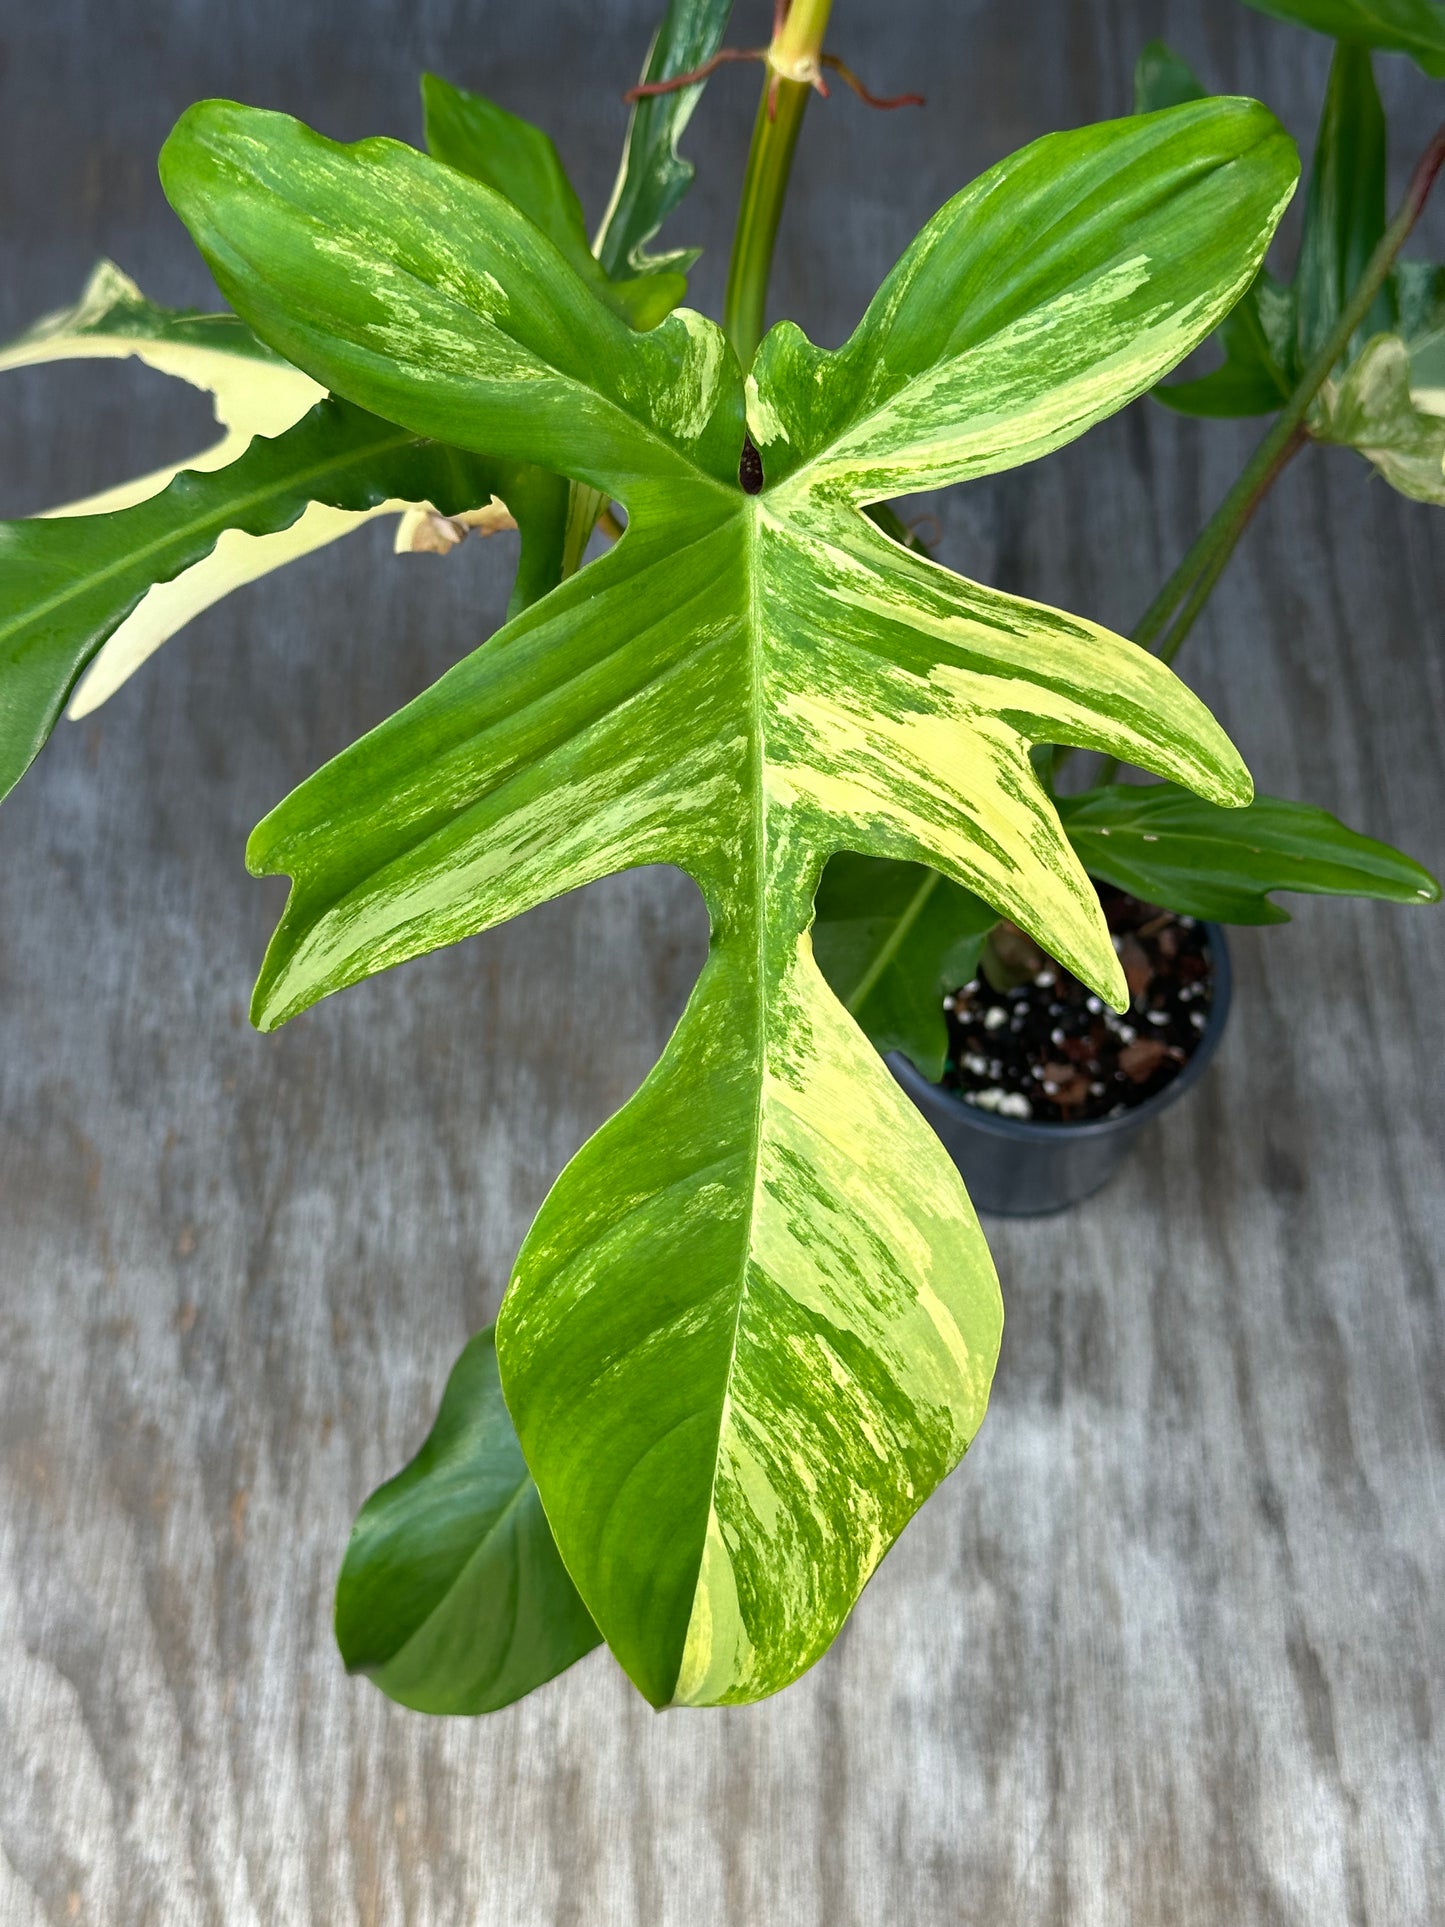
{"points": [[1168, 1647]]}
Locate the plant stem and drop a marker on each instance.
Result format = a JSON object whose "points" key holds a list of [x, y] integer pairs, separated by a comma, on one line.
{"points": [[793, 65], [1227, 524], [1195, 600]]}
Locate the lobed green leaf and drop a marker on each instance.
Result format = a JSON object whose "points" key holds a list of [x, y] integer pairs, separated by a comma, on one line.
{"points": [[1120, 246], [428, 298], [1171, 848]]}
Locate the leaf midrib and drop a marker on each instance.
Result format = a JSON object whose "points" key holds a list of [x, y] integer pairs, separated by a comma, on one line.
{"points": [[755, 651]]}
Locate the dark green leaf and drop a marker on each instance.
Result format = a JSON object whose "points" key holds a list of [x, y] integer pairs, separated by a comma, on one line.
{"points": [[1171, 848], [67, 583], [653, 176], [473, 134], [519, 161], [452, 1596], [1163, 78], [1414, 27], [892, 939], [1344, 206]]}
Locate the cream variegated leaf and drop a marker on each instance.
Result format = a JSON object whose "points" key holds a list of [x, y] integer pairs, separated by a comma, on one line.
{"points": [[1376, 410], [254, 391], [69, 584], [755, 1322]]}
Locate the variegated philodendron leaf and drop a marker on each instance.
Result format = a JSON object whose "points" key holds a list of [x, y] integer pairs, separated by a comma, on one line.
{"points": [[755, 1322], [69, 584], [255, 392], [653, 176], [1376, 410]]}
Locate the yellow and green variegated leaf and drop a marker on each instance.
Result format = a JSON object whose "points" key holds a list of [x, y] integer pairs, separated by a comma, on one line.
{"points": [[460, 318], [1376, 409], [452, 1597], [69, 584], [755, 1321], [1135, 256], [892, 939]]}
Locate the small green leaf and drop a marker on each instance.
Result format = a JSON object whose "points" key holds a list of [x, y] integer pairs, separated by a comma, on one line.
{"points": [[519, 161], [474, 135], [452, 1596], [1345, 205], [68, 583], [653, 176], [892, 939], [1171, 848], [755, 1322], [1377, 410], [1414, 27], [1163, 78]]}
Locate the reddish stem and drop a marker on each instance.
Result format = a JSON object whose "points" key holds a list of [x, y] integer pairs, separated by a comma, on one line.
{"points": [[886, 102], [645, 89]]}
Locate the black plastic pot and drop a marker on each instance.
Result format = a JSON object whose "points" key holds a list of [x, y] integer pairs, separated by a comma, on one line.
{"points": [[1019, 1169]]}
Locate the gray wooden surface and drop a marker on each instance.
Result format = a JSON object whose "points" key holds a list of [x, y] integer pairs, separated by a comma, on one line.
{"points": [[1168, 1648]]}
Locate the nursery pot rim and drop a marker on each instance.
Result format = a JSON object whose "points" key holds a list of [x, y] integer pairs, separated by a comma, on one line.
{"points": [[1022, 1130]]}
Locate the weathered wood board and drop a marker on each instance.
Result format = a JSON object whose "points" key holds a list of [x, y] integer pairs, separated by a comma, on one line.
{"points": [[1169, 1647]]}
